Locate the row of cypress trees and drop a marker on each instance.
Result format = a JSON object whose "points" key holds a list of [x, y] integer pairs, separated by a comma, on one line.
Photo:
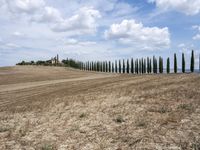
{"points": [[139, 66]]}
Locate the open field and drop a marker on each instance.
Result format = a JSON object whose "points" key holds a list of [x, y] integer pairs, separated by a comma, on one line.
{"points": [[57, 108]]}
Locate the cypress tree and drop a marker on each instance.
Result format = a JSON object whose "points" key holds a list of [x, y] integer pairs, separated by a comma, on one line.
{"points": [[154, 65], [123, 66], [127, 66], [137, 66], [109, 66], [115, 66], [132, 66], [120, 67], [98, 66], [168, 65], [145, 67], [192, 62], [183, 63], [150, 66], [175, 63], [101, 66], [106, 66], [113, 70], [160, 65], [142, 65]]}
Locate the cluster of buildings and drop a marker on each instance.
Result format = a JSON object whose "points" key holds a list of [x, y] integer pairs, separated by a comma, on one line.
{"points": [[55, 60]]}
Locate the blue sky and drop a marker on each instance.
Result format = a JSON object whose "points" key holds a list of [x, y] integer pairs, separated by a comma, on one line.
{"points": [[98, 29]]}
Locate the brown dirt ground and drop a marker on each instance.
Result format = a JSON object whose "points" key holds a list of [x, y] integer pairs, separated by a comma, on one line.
{"points": [[58, 108]]}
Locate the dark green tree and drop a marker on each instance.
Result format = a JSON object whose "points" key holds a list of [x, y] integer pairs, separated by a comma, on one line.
{"points": [[175, 63], [145, 67], [168, 65], [124, 66], [106, 66], [115, 66], [154, 65], [192, 62], [148, 65], [127, 66], [183, 63], [120, 69], [109, 66], [132, 66], [136, 66], [160, 65], [142, 65]]}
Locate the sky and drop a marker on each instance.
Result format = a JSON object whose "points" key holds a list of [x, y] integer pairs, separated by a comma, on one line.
{"points": [[98, 29]]}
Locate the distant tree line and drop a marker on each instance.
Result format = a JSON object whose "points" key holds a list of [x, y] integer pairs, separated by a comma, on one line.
{"points": [[65, 62], [138, 66]]}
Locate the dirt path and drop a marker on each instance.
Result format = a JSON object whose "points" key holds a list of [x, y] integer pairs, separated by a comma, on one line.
{"points": [[19, 86]]}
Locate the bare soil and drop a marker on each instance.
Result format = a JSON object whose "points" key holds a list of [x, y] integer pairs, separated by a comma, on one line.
{"points": [[51, 108]]}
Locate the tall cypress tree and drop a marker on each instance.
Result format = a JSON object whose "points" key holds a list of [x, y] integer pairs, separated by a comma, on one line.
{"points": [[168, 65], [101, 66], [106, 66], [115, 66], [127, 66], [135, 66], [183, 63], [142, 65], [113, 70], [150, 66], [109, 66], [120, 71], [160, 65], [145, 68], [175, 63], [147, 64], [132, 66], [123, 66], [199, 62], [155, 69], [192, 62]]}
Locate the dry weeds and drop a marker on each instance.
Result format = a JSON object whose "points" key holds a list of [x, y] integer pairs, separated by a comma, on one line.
{"points": [[114, 113]]}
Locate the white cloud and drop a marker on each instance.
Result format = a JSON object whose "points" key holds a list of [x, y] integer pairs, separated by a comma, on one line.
{"points": [[196, 37], [84, 21], [48, 14], [18, 34], [132, 33], [188, 7], [196, 27], [24, 6], [181, 45], [72, 41]]}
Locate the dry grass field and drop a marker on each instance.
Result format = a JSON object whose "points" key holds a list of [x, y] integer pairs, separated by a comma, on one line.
{"points": [[47, 108]]}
